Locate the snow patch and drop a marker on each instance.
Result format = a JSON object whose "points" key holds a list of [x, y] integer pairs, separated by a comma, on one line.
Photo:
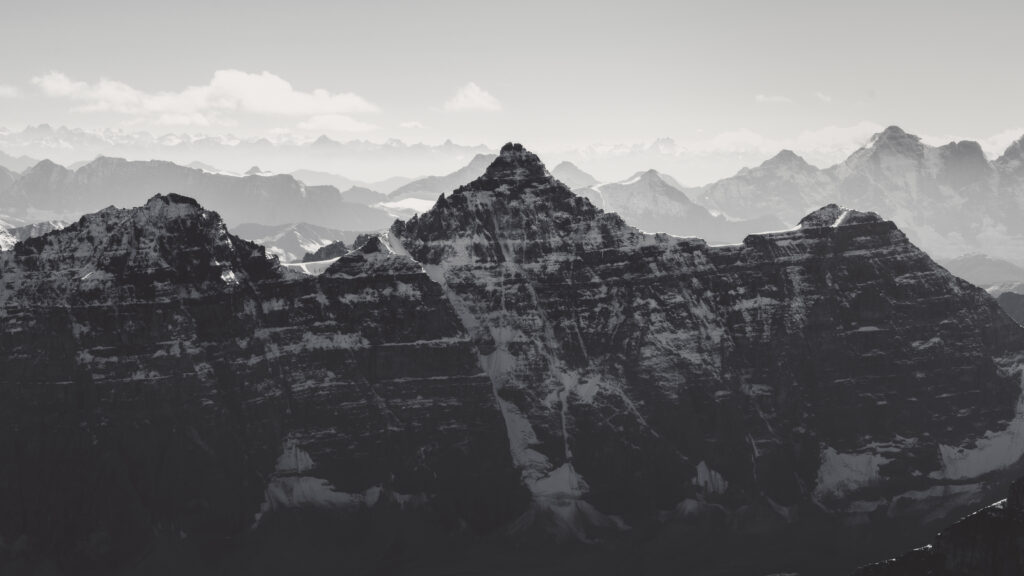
{"points": [[842, 474], [709, 481], [995, 451]]}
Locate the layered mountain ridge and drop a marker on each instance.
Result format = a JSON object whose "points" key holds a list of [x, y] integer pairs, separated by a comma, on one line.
{"points": [[48, 190], [652, 202], [949, 199], [514, 363]]}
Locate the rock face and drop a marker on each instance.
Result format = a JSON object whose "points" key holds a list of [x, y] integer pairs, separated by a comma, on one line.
{"points": [[950, 199], [513, 380], [782, 377], [336, 249], [194, 387], [651, 202], [989, 541], [48, 190]]}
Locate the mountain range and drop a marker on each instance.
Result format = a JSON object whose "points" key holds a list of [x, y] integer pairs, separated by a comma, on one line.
{"points": [[50, 191], [12, 234], [951, 200], [513, 380], [361, 159], [653, 202], [291, 242]]}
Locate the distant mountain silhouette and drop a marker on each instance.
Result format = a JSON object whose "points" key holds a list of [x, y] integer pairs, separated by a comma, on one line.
{"points": [[48, 190], [949, 199]]}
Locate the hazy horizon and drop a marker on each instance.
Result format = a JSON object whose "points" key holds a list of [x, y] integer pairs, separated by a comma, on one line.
{"points": [[722, 85]]}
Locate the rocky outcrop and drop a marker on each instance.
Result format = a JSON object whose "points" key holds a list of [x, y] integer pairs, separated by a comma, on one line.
{"points": [[163, 381], [512, 380]]}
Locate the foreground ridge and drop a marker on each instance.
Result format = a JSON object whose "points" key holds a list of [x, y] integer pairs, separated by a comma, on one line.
{"points": [[511, 369]]}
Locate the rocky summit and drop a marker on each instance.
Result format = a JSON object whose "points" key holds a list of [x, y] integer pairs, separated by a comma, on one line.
{"points": [[512, 381]]}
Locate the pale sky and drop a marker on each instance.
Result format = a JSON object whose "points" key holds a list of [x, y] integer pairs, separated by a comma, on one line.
{"points": [[554, 75]]}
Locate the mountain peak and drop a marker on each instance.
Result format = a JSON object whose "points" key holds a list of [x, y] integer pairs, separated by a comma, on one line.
{"points": [[894, 136], [515, 162], [572, 176], [834, 216], [170, 243], [164, 201], [785, 157]]}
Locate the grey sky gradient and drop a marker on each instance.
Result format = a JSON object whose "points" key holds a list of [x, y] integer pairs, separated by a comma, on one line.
{"points": [[554, 75]]}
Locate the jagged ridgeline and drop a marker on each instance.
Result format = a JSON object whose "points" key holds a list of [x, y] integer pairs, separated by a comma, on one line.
{"points": [[513, 380]]}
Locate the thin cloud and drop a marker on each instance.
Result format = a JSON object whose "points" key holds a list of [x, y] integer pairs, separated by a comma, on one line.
{"points": [[8, 91], [335, 123], [772, 99], [472, 97], [823, 97], [228, 91], [413, 124]]}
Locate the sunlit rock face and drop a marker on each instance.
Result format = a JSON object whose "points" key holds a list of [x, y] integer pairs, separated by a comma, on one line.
{"points": [[511, 377]]}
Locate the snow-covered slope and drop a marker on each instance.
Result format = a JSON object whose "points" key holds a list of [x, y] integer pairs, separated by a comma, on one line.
{"points": [[13, 231]]}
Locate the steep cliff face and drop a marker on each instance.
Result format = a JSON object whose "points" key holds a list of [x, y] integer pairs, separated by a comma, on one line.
{"points": [[796, 373], [498, 383], [162, 381]]}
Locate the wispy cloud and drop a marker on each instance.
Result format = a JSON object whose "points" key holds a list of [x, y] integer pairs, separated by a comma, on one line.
{"points": [[413, 124], [472, 97], [228, 91], [823, 97], [8, 91], [335, 123], [771, 99]]}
